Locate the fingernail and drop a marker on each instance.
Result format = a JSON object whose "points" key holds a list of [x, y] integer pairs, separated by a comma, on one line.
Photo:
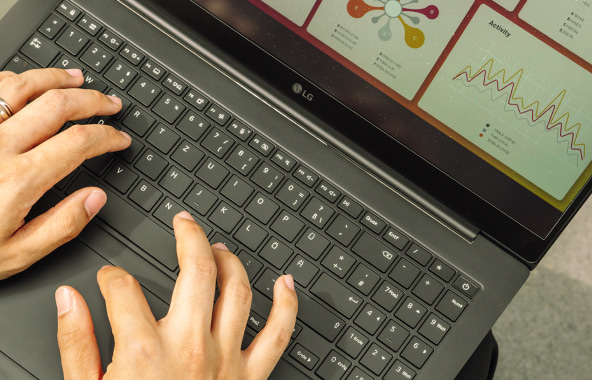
{"points": [[106, 266], [94, 202], [74, 72], [114, 99], [64, 300], [185, 215], [289, 280], [221, 247], [126, 135]]}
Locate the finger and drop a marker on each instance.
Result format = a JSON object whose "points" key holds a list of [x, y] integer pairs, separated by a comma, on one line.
{"points": [[234, 303], [128, 311], [18, 90], [268, 346], [76, 337], [59, 156], [45, 233], [193, 297], [42, 118]]}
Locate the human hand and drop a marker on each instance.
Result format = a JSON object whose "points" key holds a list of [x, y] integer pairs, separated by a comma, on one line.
{"points": [[33, 159], [196, 339]]}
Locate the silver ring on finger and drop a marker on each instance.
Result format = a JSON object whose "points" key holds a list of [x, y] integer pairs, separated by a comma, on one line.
{"points": [[5, 111]]}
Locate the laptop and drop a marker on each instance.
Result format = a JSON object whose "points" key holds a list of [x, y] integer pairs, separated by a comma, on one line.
{"points": [[409, 162]]}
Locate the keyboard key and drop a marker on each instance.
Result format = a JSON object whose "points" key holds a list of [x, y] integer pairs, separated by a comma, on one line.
{"points": [[304, 356], [405, 273], [338, 262], [132, 54], [302, 270], [68, 10], [145, 195], [212, 173], [193, 125], [387, 296], [218, 114], [328, 191], [376, 359], [188, 155], [318, 318], [125, 102], [262, 145], [237, 190], [343, 230], [96, 57], [252, 266], [400, 371], [317, 212], [358, 374], [151, 164], [200, 199], [240, 130], [333, 367], [442, 270], [465, 286], [417, 352], [262, 208], [52, 26], [121, 74], [393, 335], [428, 289], [169, 108], [98, 164], [351, 207], [276, 253], [373, 222], [284, 161], [251, 235], [176, 85], [434, 329], [176, 182], [111, 40], [92, 82], [306, 176], [267, 177], [72, 40], [91, 26], [353, 342], [144, 91], [163, 138], [313, 243], [121, 178], [419, 254], [287, 225], [217, 142], [18, 65], [225, 217], [242, 160], [451, 305], [411, 312], [363, 279], [370, 319], [167, 211], [336, 295], [129, 222], [196, 99], [397, 239], [40, 51], [375, 252], [153, 69], [292, 195]]}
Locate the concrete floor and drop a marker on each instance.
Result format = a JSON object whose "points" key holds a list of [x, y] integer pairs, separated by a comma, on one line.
{"points": [[546, 332]]}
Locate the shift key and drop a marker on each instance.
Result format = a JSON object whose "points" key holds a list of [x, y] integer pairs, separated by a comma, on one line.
{"points": [[318, 318]]}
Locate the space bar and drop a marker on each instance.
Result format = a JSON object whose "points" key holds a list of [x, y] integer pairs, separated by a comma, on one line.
{"points": [[131, 223]]}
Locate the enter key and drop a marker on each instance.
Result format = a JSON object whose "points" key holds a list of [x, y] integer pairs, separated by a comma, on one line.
{"points": [[336, 295]]}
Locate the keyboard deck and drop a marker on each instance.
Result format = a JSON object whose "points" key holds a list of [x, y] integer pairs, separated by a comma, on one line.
{"points": [[372, 302]]}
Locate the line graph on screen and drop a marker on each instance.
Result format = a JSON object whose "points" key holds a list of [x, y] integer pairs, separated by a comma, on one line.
{"points": [[506, 87]]}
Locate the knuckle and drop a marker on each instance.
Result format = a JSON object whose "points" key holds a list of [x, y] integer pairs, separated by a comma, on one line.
{"points": [[69, 227], [55, 98], [12, 82], [122, 280], [241, 292], [280, 337], [78, 137], [205, 269]]}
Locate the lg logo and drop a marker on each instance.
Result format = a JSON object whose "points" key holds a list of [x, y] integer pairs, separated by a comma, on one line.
{"points": [[299, 90]]}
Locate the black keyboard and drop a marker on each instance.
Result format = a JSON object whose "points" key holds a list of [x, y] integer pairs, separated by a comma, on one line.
{"points": [[372, 302]]}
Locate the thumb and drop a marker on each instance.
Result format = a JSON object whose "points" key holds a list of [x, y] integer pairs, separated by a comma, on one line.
{"points": [[76, 337]]}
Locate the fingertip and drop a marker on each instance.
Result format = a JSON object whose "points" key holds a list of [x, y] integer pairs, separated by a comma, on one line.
{"points": [[289, 282], [94, 202], [185, 215], [64, 298]]}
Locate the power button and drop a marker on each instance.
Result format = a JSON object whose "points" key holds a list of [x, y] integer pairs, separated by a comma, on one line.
{"points": [[465, 286]]}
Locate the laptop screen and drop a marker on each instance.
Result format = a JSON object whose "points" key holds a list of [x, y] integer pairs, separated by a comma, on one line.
{"points": [[494, 94]]}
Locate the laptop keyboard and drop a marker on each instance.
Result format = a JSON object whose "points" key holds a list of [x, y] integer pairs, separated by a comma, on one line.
{"points": [[372, 302]]}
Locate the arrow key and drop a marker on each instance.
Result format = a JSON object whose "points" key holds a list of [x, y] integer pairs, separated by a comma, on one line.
{"points": [[417, 352], [376, 359]]}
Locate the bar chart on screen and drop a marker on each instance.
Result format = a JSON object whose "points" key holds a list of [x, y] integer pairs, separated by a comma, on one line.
{"points": [[521, 102]]}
